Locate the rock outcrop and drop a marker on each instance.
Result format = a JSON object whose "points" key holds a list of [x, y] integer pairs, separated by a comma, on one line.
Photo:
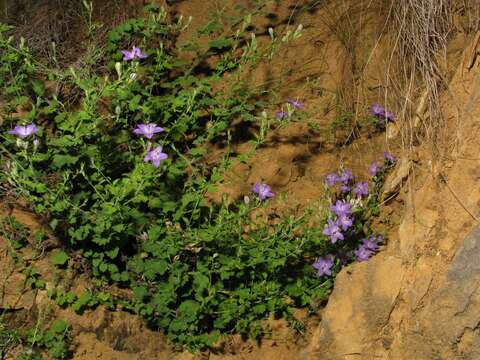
{"points": [[420, 297]]}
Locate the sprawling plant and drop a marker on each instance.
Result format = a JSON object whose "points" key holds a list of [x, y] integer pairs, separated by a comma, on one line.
{"points": [[115, 163]]}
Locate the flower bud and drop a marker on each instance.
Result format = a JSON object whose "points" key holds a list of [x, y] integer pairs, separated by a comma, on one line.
{"points": [[118, 68]]}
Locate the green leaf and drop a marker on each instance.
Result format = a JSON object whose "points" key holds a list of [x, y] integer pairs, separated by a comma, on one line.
{"points": [[59, 327], [220, 43], [60, 258], [140, 292], [60, 161]]}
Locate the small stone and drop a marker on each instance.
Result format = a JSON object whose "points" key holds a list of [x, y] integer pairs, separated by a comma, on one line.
{"points": [[396, 179]]}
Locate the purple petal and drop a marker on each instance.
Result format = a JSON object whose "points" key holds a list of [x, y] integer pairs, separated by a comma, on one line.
{"points": [[295, 103], [127, 55], [373, 168], [324, 265], [138, 53], [346, 176], [361, 189], [345, 222], [23, 131], [390, 116], [377, 110], [331, 179], [363, 254], [389, 157]]}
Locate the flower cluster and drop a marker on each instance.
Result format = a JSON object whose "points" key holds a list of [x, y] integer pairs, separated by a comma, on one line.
{"points": [[344, 224], [342, 212], [344, 179], [382, 114], [346, 184]]}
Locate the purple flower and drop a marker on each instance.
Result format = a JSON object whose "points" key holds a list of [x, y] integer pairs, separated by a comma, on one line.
{"points": [[136, 53], [324, 265], [344, 222], [346, 177], [368, 248], [390, 116], [344, 188], [333, 230], [373, 243], [363, 254], [263, 191], [331, 179], [281, 114], [389, 157], [370, 244], [23, 131], [155, 156], [377, 110], [373, 168], [361, 189], [295, 103], [147, 130], [341, 208]]}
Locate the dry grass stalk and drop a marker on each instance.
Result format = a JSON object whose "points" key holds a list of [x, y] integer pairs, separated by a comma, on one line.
{"points": [[423, 29]]}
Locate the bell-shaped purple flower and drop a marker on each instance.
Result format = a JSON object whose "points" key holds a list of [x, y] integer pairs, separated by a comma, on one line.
{"points": [[295, 103], [324, 265], [363, 253], [263, 191], [148, 130], [341, 208], [331, 179], [332, 229], [383, 116], [136, 53], [344, 222], [156, 156], [390, 116], [374, 168], [389, 157], [361, 189], [377, 110], [24, 131], [346, 177], [368, 247]]}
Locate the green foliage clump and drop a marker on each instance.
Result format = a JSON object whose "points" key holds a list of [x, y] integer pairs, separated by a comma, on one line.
{"points": [[196, 269], [54, 341]]}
